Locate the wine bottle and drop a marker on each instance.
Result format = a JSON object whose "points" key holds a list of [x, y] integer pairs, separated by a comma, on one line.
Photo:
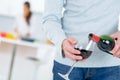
{"points": [[104, 42]]}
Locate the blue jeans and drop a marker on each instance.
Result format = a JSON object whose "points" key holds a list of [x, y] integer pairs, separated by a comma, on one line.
{"points": [[105, 73]]}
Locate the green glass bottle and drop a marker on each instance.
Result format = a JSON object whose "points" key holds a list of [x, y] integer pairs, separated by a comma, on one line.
{"points": [[104, 42]]}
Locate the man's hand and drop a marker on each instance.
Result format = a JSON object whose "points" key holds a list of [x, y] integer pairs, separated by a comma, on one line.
{"points": [[68, 49], [116, 50]]}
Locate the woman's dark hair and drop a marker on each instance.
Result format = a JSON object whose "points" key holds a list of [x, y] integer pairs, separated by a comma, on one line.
{"points": [[27, 3], [30, 13]]}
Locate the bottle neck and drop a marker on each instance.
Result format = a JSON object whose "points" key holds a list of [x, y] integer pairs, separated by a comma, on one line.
{"points": [[94, 37]]}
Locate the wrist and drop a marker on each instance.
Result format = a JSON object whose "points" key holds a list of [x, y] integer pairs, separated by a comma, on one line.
{"points": [[63, 54]]}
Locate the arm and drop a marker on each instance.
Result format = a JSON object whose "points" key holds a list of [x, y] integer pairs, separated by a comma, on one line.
{"points": [[15, 28], [17, 32], [53, 28], [52, 21]]}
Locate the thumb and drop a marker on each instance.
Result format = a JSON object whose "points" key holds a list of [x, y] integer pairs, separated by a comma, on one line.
{"points": [[116, 48], [73, 41]]}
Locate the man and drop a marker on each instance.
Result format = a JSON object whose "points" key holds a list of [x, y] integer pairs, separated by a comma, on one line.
{"points": [[71, 28]]}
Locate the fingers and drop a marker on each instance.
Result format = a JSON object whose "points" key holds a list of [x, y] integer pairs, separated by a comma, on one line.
{"points": [[72, 50], [115, 35], [116, 51], [72, 41], [117, 54], [69, 50], [72, 56], [116, 48]]}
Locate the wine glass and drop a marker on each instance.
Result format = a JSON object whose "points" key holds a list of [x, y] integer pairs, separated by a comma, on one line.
{"points": [[66, 76]]}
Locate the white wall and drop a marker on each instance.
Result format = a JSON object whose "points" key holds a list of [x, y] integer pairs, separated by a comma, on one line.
{"points": [[15, 7]]}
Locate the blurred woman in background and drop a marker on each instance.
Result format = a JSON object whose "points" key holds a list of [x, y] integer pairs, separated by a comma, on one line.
{"points": [[24, 25]]}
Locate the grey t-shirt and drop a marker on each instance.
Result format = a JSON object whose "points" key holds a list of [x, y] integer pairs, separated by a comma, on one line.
{"points": [[80, 18]]}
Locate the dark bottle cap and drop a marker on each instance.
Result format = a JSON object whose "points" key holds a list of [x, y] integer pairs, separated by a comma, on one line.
{"points": [[94, 37]]}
